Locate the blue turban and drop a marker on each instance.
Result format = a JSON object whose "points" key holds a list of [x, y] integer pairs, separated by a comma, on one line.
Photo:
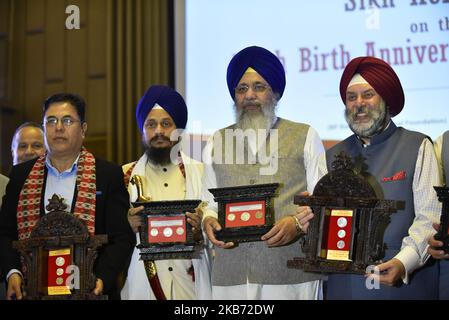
{"points": [[263, 61], [167, 98]]}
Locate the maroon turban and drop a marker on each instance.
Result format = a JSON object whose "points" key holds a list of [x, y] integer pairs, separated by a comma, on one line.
{"points": [[380, 76]]}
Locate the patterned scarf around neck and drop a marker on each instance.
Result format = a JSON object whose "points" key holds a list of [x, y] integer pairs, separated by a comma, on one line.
{"points": [[28, 208]]}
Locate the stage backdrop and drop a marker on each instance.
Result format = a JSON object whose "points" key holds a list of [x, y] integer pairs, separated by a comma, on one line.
{"points": [[315, 40]]}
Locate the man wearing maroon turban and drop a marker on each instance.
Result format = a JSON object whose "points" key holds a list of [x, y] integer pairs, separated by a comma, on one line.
{"points": [[272, 150], [166, 174], [403, 166]]}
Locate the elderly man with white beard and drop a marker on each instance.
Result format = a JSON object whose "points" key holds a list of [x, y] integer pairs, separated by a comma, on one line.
{"points": [[401, 165], [275, 150]]}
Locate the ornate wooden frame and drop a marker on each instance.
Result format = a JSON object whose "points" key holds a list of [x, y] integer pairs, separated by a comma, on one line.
{"points": [[443, 231], [172, 250], [56, 230], [342, 188], [248, 193]]}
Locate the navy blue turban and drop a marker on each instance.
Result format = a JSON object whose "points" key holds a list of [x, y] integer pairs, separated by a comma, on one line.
{"points": [[167, 98], [263, 61]]}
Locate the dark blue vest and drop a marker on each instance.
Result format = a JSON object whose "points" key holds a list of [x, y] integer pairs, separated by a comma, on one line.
{"points": [[393, 151]]}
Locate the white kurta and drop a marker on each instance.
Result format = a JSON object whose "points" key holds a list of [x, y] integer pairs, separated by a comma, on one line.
{"points": [[167, 183]]}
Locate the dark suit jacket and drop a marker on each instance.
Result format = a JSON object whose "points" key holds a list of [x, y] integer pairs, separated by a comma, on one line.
{"points": [[112, 205]]}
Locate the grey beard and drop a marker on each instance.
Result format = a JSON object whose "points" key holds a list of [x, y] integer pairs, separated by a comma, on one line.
{"points": [[261, 120], [376, 126]]}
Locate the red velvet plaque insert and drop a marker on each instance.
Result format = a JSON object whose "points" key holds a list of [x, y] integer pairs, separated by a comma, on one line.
{"points": [[244, 214], [336, 242], [58, 261], [166, 229]]}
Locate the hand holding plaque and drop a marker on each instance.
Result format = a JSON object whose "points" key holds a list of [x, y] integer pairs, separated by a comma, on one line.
{"points": [[194, 219], [283, 232], [211, 225], [134, 218]]}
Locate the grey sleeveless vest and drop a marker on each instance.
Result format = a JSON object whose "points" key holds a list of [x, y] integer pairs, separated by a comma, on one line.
{"points": [[393, 151], [255, 262]]}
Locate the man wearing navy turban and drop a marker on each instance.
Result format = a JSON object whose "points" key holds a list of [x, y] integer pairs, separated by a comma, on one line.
{"points": [[404, 167], [166, 174], [261, 148]]}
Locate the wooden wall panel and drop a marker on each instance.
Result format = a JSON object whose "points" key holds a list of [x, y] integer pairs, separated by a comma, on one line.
{"points": [[97, 41], [52, 88], [16, 91], [35, 16], [76, 55], [4, 17], [150, 69], [97, 145], [3, 67], [96, 107], [120, 50], [4, 47], [54, 40], [34, 76], [76, 65]]}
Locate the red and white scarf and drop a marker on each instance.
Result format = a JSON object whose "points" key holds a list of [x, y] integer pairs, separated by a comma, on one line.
{"points": [[28, 208]]}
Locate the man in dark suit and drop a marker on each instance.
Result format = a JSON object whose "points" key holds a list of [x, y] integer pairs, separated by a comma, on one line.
{"points": [[92, 188]]}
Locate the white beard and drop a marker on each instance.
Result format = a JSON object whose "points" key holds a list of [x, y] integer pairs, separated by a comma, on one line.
{"points": [[259, 122], [374, 126], [254, 120]]}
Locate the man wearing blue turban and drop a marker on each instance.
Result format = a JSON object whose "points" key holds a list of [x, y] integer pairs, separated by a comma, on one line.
{"points": [[272, 150], [166, 174]]}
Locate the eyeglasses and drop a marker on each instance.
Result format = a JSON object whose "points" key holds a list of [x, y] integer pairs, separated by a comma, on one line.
{"points": [[152, 124], [66, 121], [256, 87]]}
